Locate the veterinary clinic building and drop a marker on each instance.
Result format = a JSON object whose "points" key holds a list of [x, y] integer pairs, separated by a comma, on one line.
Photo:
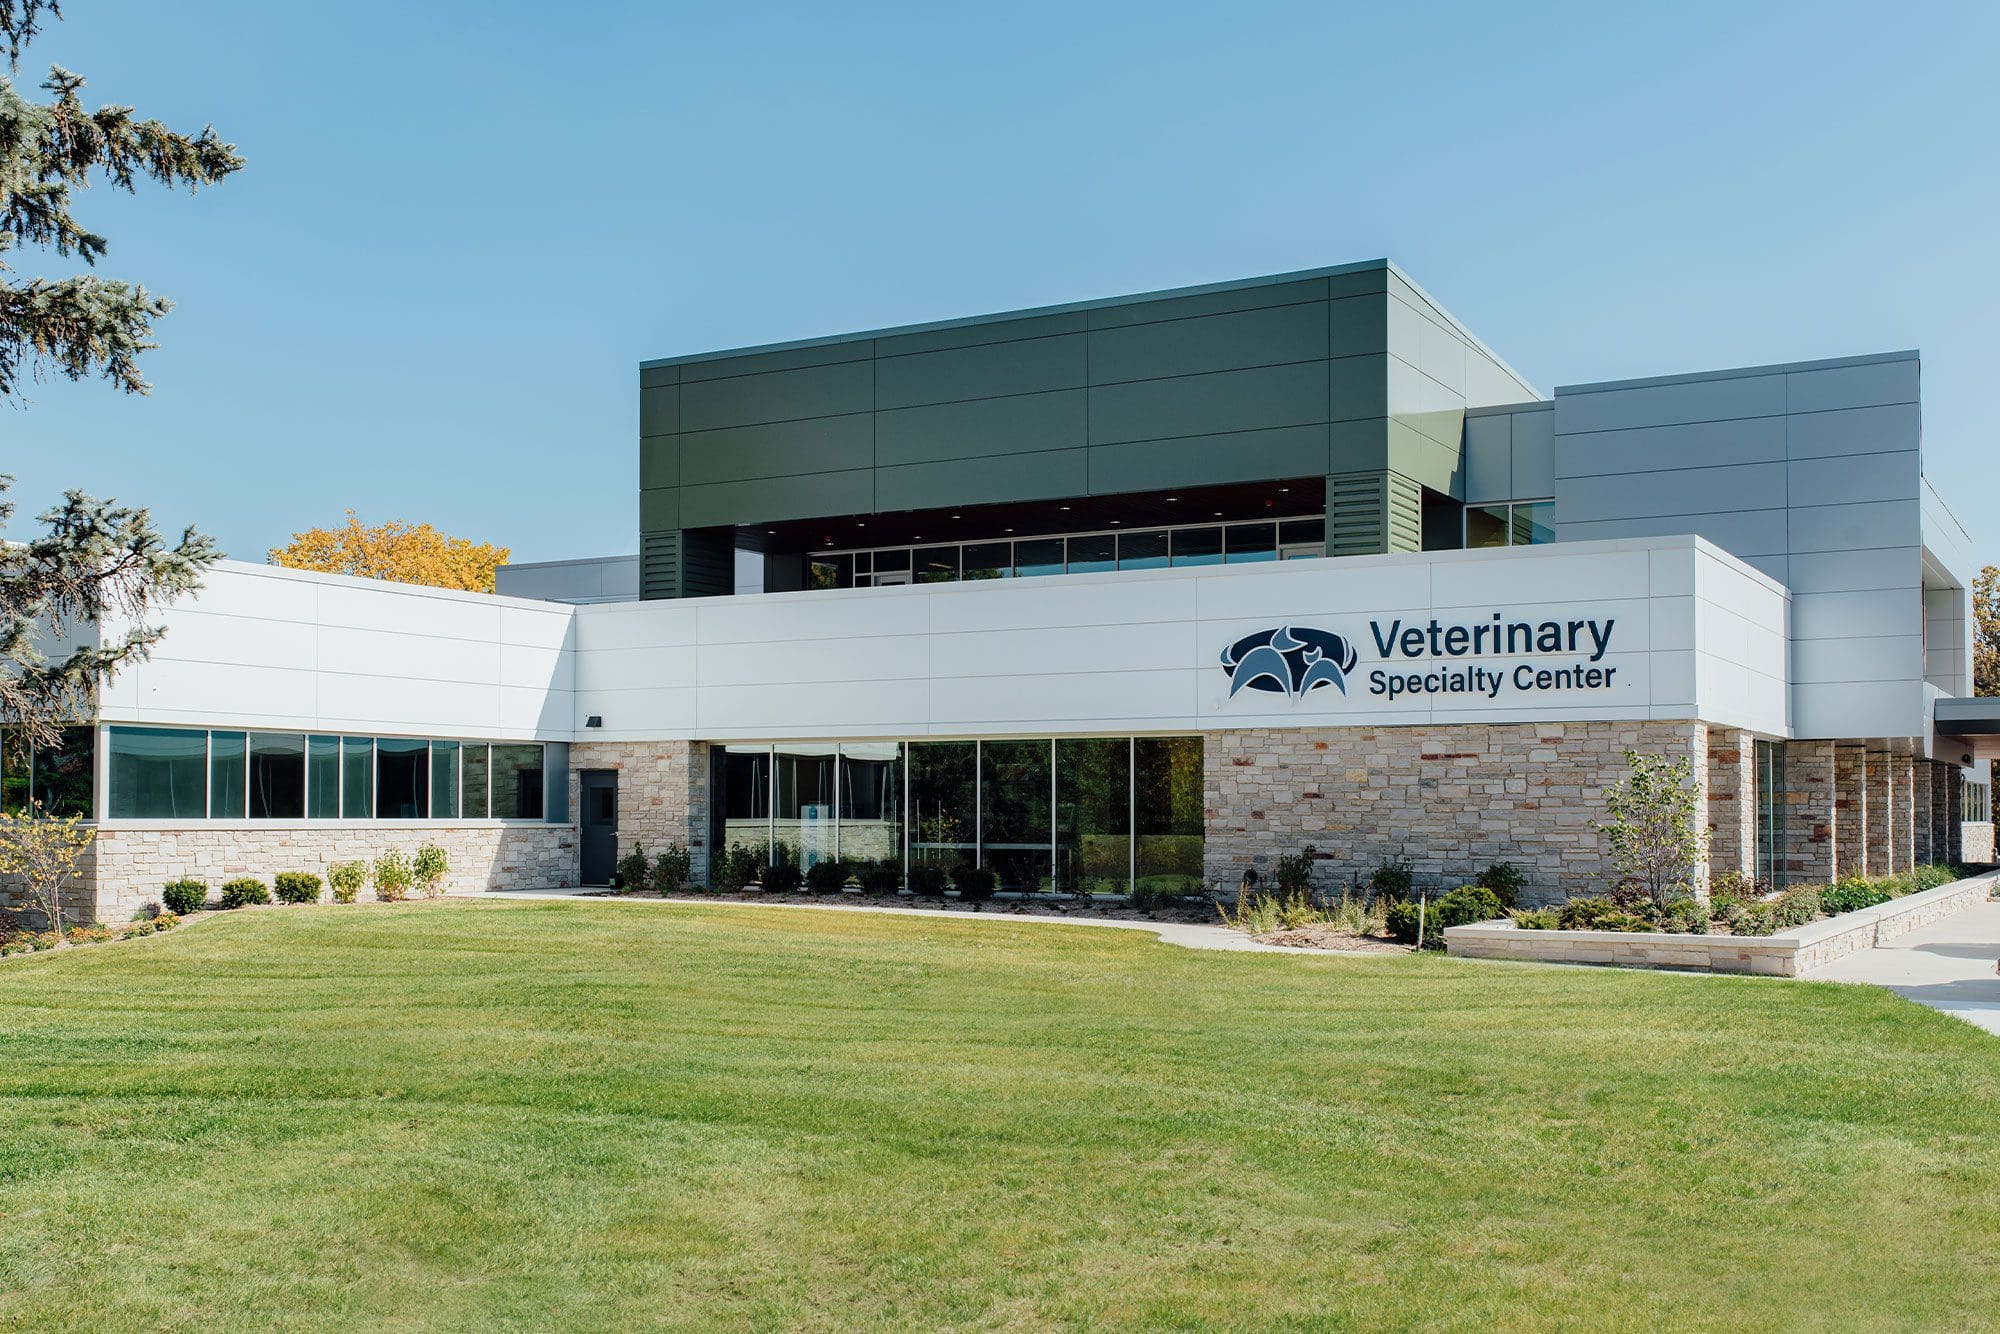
{"points": [[1147, 591]]}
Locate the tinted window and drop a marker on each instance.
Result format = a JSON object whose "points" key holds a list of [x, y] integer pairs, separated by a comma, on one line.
{"points": [[157, 773], [277, 776]]}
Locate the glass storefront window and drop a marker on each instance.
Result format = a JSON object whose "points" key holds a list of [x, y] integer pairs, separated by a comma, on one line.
{"points": [[989, 560], [157, 773], [1302, 537], [13, 774], [444, 780], [937, 565], [802, 811], [1094, 815], [830, 572], [1197, 546], [472, 770], [1485, 526], [1168, 806], [518, 781], [1246, 542], [277, 776], [944, 803], [871, 804], [228, 788], [1014, 795], [1092, 554], [1042, 555], [402, 778], [1142, 551], [323, 777], [65, 779], [1534, 523], [743, 806], [357, 777]]}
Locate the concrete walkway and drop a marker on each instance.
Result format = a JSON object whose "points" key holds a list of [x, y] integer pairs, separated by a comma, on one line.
{"points": [[1948, 965], [1188, 935]]}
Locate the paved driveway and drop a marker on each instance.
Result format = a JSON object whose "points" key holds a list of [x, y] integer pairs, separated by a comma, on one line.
{"points": [[1949, 965]]}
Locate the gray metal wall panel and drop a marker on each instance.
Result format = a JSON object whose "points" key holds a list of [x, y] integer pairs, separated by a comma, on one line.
{"points": [[1232, 341], [1656, 405], [780, 359], [1249, 297], [1209, 460], [747, 400], [1416, 456], [1028, 366], [1868, 385], [1745, 534], [778, 449], [1489, 448], [1358, 446], [1356, 326], [1050, 476], [1425, 405], [980, 332], [773, 499], [1022, 424], [1853, 431], [1358, 387], [659, 509], [1838, 571], [1534, 455], [660, 410], [1245, 400], [1887, 523], [1851, 478], [1642, 449], [1681, 491], [659, 462]]}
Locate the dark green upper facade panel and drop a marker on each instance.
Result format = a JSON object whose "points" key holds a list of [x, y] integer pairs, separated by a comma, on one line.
{"points": [[1335, 371]]}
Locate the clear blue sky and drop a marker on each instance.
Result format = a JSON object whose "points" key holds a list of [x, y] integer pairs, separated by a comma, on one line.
{"points": [[463, 225]]}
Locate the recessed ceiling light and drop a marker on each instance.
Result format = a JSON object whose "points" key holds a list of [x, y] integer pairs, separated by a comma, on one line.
{"points": [[1218, 514], [1063, 508], [1173, 500], [1284, 488], [954, 516], [1116, 521], [1010, 530]]}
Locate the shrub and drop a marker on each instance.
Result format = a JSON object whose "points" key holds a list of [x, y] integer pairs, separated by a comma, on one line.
{"points": [[735, 868], [1756, 919], [143, 927], [1294, 871], [826, 876], [87, 935], [783, 875], [1685, 917], [44, 940], [244, 891], [1401, 917], [1466, 905], [928, 881], [1146, 896], [166, 921], [1653, 828], [1505, 880], [16, 945], [346, 880], [1537, 919], [672, 869], [1853, 894], [1795, 907], [430, 868], [296, 886], [1736, 887], [184, 896], [879, 878], [392, 875], [975, 884], [1393, 880], [1930, 877], [1584, 914], [631, 871]]}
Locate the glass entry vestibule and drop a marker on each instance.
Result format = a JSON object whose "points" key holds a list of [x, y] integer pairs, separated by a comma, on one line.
{"points": [[1071, 814]]}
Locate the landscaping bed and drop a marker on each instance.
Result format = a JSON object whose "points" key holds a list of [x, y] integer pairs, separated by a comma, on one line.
{"points": [[1197, 909]]}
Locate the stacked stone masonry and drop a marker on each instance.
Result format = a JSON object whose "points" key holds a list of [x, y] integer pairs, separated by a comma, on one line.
{"points": [[663, 794], [1450, 799], [1732, 801], [1850, 810], [1810, 816]]}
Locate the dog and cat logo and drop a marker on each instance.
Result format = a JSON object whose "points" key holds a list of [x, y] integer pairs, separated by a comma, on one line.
{"points": [[1289, 660]]}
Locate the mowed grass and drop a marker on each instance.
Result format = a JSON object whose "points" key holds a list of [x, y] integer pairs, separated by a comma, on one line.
{"points": [[588, 1116]]}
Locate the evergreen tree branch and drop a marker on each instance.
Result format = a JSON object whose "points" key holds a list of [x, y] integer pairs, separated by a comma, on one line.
{"points": [[20, 20], [81, 325]]}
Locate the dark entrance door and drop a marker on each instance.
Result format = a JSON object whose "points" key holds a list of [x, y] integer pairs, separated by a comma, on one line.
{"points": [[598, 825]]}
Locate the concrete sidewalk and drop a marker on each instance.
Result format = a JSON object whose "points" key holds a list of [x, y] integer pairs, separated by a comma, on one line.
{"points": [[1948, 965]]}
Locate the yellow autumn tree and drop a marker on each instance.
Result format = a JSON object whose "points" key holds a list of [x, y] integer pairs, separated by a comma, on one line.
{"points": [[401, 552]]}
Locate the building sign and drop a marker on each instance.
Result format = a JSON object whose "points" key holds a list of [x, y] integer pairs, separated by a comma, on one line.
{"points": [[1427, 658]]}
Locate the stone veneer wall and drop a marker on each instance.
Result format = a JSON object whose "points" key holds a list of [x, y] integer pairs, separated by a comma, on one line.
{"points": [[1732, 801], [132, 864], [663, 793], [1811, 828], [1452, 799], [79, 897], [1850, 810], [1921, 849]]}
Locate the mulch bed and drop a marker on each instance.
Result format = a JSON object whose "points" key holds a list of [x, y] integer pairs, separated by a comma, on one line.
{"points": [[1324, 937], [1202, 913]]}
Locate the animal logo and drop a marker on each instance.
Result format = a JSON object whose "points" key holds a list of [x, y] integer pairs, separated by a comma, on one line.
{"points": [[1290, 660]]}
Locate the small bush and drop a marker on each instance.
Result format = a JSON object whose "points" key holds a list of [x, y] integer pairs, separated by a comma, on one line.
{"points": [[16, 945], [1584, 914], [429, 870], [783, 875], [393, 875], [1146, 897], [1537, 919], [1684, 917], [878, 879], [1466, 905], [736, 867], [1401, 917], [1736, 887], [631, 871], [1505, 880], [184, 896], [87, 935], [1796, 907], [143, 927], [1853, 894], [1930, 877], [296, 886], [672, 869], [975, 884], [346, 880], [1393, 880], [1756, 919], [928, 881], [1294, 872], [166, 921], [244, 891], [826, 876]]}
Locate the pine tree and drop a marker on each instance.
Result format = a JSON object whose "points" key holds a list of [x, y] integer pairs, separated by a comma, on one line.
{"points": [[83, 325], [72, 601]]}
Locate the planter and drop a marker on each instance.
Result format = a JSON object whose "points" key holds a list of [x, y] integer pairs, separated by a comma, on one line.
{"points": [[1793, 953]]}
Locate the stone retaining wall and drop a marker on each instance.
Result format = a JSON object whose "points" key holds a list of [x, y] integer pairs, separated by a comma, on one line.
{"points": [[1793, 953]]}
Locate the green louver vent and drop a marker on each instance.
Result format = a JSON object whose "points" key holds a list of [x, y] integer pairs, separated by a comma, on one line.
{"points": [[1369, 513]]}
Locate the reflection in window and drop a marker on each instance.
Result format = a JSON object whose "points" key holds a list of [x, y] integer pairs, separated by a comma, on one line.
{"points": [[277, 776], [65, 778], [1014, 813], [402, 778], [937, 565], [743, 805], [1520, 524], [1142, 551], [1197, 546], [228, 767], [1167, 800], [444, 780], [1485, 526], [1301, 537], [1248, 542], [802, 814], [871, 804], [989, 560], [1040, 556], [157, 773], [472, 771], [323, 777], [357, 777], [1534, 523], [944, 803], [830, 572], [1093, 814], [1092, 554], [518, 781]]}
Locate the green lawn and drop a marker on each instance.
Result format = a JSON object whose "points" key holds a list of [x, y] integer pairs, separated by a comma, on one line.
{"points": [[606, 1115]]}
